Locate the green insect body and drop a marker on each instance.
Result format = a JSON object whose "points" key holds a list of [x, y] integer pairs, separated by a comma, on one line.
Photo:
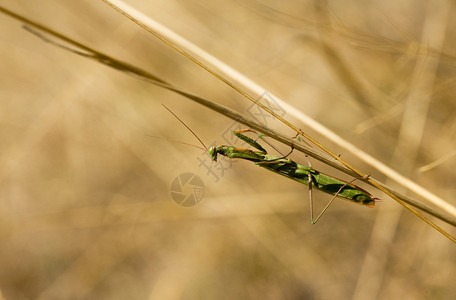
{"points": [[296, 171], [320, 181], [290, 169]]}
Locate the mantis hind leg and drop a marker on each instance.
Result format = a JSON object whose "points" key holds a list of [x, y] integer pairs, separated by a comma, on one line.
{"points": [[312, 220]]}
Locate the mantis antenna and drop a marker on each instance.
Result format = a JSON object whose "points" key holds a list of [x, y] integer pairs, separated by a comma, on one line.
{"points": [[194, 134]]}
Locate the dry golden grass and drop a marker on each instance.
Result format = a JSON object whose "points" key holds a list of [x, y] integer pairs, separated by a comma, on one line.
{"points": [[85, 209]]}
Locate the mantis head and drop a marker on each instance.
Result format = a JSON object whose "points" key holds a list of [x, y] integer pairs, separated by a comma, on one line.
{"points": [[213, 152]]}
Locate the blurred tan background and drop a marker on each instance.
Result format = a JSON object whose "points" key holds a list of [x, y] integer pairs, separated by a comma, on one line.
{"points": [[85, 204]]}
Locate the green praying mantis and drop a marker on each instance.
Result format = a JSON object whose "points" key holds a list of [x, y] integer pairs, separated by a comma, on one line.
{"points": [[290, 169]]}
